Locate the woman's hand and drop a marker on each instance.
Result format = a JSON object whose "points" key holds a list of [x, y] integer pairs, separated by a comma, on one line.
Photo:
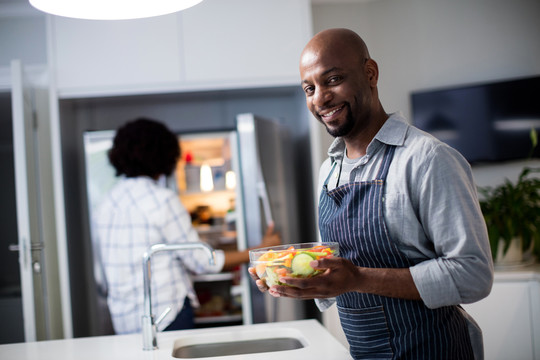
{"points": [[270, 238]]}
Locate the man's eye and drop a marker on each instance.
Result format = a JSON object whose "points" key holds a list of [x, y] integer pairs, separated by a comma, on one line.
{"points": [[308, 89], [334, 79]]}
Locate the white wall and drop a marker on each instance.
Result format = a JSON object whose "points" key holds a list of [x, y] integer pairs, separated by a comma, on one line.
{"points": [[22, 34], [422, 44]]}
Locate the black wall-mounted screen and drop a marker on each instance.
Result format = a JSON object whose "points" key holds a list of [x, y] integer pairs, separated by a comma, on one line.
{"points": [[485, 122]]}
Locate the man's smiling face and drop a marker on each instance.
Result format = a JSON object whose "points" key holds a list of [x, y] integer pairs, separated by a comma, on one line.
{"points": [[335, 83]]}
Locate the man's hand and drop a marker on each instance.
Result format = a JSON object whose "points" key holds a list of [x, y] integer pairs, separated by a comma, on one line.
{"points": [[260, 283], [339, 276]]}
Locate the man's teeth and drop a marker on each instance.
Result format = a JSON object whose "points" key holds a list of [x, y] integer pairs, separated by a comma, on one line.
{"points": [[331, 112]]}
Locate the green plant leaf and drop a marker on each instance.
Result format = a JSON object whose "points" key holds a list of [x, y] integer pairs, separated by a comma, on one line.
{"points": [[513, 210], [534, 140]]}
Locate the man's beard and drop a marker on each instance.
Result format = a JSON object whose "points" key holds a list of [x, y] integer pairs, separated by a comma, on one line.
{"points": [[344, 128]]}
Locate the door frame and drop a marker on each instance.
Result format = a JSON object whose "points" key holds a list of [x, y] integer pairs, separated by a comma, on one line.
{"points": [[36, 222]]}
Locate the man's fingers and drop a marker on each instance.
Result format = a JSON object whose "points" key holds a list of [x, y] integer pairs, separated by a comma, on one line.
{"points": [[300, 283], [260, 283], [325, 263], [292, 291], [253, 273]]}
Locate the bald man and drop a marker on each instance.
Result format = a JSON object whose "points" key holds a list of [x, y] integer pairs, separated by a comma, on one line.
{"points": [[403, 207]]}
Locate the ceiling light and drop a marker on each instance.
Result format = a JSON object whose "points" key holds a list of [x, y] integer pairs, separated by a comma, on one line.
{"points": [[111, 9]]}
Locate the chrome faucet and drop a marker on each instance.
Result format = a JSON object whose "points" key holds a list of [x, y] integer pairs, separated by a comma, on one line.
{"points": [[149, 326]]}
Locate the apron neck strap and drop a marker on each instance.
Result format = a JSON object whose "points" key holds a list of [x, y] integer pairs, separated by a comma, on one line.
{"points": [[330, 173], [383, 169], [385, 164]]}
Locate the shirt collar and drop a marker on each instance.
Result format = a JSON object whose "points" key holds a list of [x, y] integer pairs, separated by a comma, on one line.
{"points": [[393, 132]]}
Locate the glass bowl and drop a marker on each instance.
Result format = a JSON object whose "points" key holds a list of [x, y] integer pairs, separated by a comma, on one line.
{"points": [[290, 260]]}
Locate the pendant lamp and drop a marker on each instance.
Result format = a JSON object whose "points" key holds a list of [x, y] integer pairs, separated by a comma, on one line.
{"points": [[111, 9]]}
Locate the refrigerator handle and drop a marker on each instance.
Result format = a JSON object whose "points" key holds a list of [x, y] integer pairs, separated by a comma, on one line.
{"points": [[263, 195]]}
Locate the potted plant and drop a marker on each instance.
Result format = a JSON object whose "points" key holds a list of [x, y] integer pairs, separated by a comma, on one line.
{"points": [[512, 214]]}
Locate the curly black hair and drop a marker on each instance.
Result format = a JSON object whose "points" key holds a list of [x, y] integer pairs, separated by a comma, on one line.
{"points": [[144, 147]]}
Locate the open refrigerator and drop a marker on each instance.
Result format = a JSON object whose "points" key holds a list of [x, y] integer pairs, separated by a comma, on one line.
{"points": [[233, 183]]}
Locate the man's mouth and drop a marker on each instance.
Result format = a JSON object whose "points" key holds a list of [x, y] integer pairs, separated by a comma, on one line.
{"points": [[329, 115]]}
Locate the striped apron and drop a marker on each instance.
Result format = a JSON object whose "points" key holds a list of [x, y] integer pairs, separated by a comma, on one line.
{"points": [[379, 327]]}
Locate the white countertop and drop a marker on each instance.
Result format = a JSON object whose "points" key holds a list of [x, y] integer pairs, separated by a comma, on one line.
{"points": [[320, 345], [518, 273]]}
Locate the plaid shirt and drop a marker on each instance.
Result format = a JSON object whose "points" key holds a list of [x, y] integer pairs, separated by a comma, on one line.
{"points": [[136, 214]]}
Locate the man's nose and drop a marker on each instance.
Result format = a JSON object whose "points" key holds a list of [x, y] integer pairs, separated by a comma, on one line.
{"points": [[322, 96]]}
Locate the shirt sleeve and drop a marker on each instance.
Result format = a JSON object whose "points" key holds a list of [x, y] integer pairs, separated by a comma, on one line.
{"points": [[177, 228], [448, 207]]}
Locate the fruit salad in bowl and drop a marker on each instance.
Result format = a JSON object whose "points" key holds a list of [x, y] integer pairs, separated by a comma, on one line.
{"points": [[291, 260]]}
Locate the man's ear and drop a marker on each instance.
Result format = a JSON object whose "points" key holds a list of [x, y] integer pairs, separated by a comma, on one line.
{"points": [[372, 72]]}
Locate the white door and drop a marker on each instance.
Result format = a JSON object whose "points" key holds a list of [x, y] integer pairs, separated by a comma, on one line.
{"points": [[32, 182]]}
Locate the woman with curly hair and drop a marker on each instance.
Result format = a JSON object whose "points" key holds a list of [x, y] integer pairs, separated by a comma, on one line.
{"points": [[138, 213]]}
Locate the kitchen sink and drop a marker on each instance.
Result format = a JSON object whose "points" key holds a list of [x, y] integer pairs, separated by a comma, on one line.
{"points": [[238, 343], [236, 348]]}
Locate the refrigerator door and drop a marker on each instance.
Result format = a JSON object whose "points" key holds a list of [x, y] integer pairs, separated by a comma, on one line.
{"points": [[267, 197], [100, 179]]}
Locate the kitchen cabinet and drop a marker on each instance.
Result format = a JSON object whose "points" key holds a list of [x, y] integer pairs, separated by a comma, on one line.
{"points": [[263, 46], [510, 316], [216, 44], [102, 56]]}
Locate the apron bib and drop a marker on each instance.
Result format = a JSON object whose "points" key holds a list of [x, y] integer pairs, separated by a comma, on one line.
{"points": [[379, 327]]}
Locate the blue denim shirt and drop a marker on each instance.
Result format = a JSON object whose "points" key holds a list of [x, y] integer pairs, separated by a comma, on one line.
{"points": [[431, 210]]}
